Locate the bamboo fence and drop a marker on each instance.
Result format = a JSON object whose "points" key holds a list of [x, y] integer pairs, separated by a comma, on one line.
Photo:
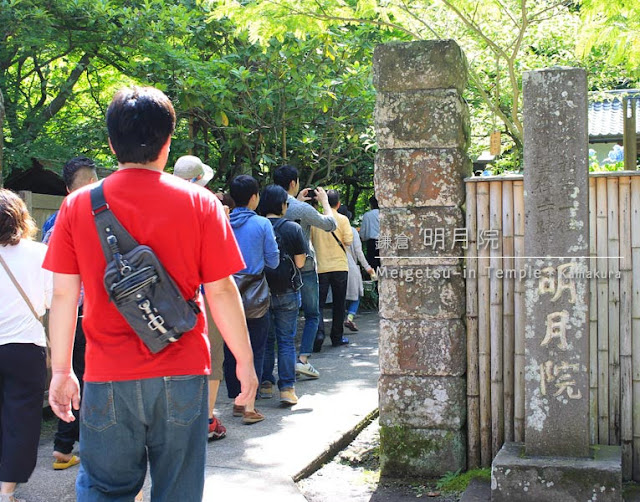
{"points": [[495, 315]]}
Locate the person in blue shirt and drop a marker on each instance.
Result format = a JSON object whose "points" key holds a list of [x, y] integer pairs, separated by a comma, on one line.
{"points": [[76, 173], [259, 249]]}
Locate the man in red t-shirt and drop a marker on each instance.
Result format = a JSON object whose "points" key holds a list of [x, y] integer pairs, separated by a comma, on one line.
{"points": [[138, 405]]}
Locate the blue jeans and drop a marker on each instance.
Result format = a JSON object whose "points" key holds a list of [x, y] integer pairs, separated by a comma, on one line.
{"points": [[258, 333], [352, 306], [284, 321], [311, 308], [122, 424]]}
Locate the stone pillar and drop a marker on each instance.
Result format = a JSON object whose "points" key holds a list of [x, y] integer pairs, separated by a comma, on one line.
{"points": [[422, 127], [556, 462], [556, 242]]}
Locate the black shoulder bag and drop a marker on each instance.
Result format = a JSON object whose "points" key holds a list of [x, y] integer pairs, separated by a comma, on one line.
{"points": [[137, 283]]}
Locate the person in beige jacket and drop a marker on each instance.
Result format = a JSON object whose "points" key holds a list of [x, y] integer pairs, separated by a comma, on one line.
{"points": [[333, 271]]}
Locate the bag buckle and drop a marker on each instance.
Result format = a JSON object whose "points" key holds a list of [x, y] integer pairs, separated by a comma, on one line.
{"points": [[100, 209]]}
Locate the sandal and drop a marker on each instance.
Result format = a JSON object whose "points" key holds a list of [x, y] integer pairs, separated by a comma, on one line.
{"points": [[9, 497], [59, 465]]}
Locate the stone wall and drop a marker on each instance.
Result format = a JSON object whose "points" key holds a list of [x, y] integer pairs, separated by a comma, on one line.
{"points": [[422, 128]]}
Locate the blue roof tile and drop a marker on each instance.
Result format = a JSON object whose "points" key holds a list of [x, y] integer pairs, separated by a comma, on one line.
{"points": [[606, 116]]}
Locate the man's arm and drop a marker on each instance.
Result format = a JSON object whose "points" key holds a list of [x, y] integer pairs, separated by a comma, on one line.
{"points": [[64, 391], [226, 308], [310, 216]]}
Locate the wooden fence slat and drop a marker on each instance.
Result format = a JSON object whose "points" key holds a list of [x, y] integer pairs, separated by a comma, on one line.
{"points": [[473, 384], [635, 322], [508, 328], [593, 318], [484, 341], [613, 270], [495, 287], [603, 312], [495, 317], [626, 285], [519, 312]]}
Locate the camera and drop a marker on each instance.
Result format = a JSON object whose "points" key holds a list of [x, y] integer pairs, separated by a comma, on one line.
{"points": [[312, 193]]}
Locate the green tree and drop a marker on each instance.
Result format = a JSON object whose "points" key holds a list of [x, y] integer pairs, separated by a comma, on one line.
{"points": [[615, 26], [501, 38]]}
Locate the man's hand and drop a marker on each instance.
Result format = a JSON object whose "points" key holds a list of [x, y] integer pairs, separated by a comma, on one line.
{"points": [[64, 393], [321, 195], [246, 374], [303, 196]]}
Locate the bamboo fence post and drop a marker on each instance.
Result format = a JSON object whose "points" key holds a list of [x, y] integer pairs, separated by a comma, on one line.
{"points": [[519, 311], [603, 312], [484, 341], [495, 286], [593, 317], [626, 284], [613, 250], [508, 328], [635, 321], [473, 384]]}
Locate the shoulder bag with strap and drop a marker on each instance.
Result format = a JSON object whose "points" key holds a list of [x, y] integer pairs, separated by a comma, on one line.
{"points": [[339, 242], [254, 291], [138, 284], [19, 288]]}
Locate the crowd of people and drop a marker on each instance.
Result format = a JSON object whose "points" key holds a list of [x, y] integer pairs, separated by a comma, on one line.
{"points": [[254, 258]]}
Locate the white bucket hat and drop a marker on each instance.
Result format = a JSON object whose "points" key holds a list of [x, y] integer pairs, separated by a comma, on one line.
{"points": [[191, 168]]}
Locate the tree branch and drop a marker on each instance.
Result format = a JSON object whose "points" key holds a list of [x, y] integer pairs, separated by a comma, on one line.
{"points": [[406, 9], [476, 29], [327, 17], [515, 128], [59, 101]]}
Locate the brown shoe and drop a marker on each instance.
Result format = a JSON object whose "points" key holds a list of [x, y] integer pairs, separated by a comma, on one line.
{"points": [[351, 325], [238, 410], [252, 417]]}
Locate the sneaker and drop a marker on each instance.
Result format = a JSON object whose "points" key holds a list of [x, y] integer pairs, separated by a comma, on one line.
{"points": [[252, 417], [288, 396], [216, 429], [339, 343], [266, 390], [351, 325], [306, 369]]}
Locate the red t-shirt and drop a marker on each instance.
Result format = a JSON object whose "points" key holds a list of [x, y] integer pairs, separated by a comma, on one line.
{"points": [[186, 227]]}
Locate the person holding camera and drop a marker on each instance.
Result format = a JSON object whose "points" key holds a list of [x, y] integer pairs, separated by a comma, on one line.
{"points": [[298, 210]]}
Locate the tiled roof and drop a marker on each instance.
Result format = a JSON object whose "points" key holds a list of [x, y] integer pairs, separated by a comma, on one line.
{"points": [[606, 116]]}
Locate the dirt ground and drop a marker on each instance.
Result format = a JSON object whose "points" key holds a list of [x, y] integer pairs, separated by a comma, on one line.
{"points": [[354, 475]]}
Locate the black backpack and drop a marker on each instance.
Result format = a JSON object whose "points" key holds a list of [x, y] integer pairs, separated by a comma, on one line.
{"points": [[286, 277]]}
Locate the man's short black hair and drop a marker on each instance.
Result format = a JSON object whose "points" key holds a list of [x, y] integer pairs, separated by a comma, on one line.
{"points": [[284, 175], [139, 121], [373, 202], [242, 188], [334, 197], [271, 200], [343, 210], [72, 167]]}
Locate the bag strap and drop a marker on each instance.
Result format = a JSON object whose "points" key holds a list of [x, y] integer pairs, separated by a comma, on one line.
{"points": [[19, 288], [107, 225], [279, 223], [339, 242]]}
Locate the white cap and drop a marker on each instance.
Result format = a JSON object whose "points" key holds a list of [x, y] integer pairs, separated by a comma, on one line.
{"points": [[191, 168]]}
